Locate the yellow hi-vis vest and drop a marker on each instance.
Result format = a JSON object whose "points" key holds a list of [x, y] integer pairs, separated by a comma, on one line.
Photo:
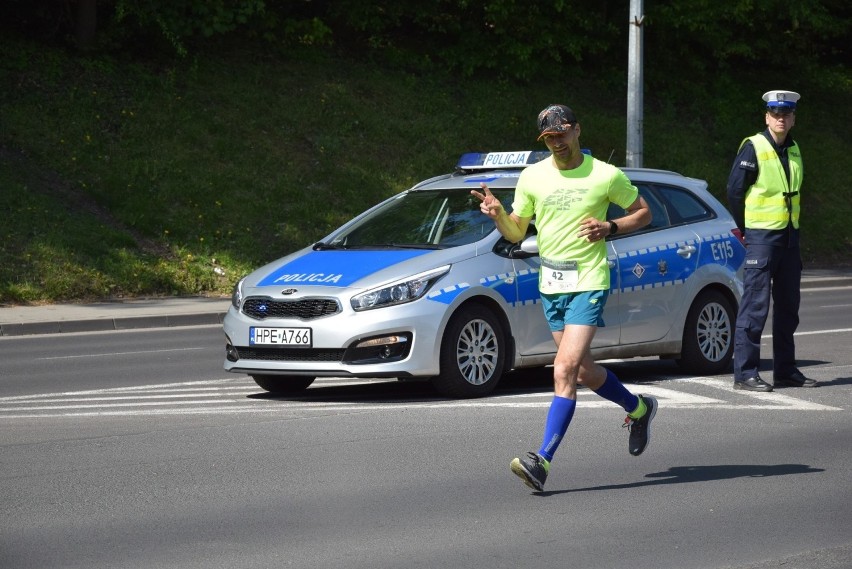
{"points": [[771, 203]]}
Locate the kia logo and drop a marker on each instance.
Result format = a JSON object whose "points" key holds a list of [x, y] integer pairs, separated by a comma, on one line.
{"points": [[289, 291]]}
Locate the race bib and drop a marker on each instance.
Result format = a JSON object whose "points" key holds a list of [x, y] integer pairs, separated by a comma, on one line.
{"points": [[558, 276]]}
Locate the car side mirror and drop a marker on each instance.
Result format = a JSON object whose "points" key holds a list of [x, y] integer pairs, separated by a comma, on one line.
{"points": [[528, 248]]}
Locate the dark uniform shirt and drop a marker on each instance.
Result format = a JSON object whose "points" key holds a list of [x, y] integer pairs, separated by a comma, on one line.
{"points": [[743, 176]]}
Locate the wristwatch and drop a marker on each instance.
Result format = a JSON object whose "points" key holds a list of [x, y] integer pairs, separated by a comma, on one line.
{"points": [[613, 227]]}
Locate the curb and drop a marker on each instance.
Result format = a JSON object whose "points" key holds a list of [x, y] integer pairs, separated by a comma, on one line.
{"points": [[107, 324]]}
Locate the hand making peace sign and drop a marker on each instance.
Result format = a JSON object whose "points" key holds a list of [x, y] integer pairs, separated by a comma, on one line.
{"points": [[490, 205]]}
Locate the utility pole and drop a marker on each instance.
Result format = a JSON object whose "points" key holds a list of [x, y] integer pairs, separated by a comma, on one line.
{"points": [[635, 86]]}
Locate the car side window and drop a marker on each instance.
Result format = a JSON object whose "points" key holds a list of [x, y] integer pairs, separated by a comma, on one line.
{"points": [[684, 207], [659, 216]]}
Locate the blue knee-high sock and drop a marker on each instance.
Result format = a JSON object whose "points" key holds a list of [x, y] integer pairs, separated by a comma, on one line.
{"points": [[558, 418], [615, 391]]}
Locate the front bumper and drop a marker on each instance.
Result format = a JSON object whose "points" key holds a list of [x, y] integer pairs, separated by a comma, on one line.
{"points": [[397, 341]]}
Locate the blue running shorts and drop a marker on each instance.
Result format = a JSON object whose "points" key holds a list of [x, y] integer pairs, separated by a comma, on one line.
{"points": [[582, 308]]}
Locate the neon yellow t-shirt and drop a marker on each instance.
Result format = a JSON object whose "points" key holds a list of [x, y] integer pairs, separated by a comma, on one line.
{"points": [[559, 200]]}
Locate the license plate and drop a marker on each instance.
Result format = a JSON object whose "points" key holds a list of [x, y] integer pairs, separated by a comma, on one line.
{"points": [[280, 336]]}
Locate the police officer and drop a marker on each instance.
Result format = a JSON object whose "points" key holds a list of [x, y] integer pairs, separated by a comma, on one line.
{"points": [[763, 194]]}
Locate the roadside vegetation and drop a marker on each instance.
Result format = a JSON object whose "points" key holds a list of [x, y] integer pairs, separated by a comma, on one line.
{"points": [[124, 175]]}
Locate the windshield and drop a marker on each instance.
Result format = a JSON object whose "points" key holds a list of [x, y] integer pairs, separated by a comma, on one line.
{"points": [[430, 219]]}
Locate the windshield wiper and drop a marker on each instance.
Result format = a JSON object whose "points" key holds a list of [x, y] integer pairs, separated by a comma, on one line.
{"points": [[429, 246], [320, 246]]}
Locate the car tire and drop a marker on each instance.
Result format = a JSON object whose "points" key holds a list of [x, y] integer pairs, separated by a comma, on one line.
{"points": [[708, 336], [283, 384], [473, 354]]}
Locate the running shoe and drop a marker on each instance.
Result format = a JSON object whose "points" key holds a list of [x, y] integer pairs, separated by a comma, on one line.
{"points": [[532, 469], [640, 429]]}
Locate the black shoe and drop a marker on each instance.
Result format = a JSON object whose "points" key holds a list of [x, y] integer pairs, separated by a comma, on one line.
{"points": [[752, 384], [795, 379], [532, 469], [640, 429]]}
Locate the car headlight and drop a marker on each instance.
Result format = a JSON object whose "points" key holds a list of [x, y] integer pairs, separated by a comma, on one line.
{"points": [[399, 292], [237, 294]]}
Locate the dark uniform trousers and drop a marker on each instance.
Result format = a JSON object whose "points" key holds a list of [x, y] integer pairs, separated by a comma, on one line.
{"points": [[774, 270]]}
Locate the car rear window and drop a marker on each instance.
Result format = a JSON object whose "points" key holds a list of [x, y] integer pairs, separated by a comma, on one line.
{"points": [[659, 215], [684, 206]]}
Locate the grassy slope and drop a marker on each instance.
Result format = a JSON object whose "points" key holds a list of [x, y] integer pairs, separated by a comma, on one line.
{"points": [[119, 180]]}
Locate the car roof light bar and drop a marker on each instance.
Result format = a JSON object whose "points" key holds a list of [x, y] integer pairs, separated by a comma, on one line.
{"points": [[493, 160]]}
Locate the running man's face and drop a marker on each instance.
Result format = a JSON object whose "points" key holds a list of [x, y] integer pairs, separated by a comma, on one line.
{"points": [[564, 146]]}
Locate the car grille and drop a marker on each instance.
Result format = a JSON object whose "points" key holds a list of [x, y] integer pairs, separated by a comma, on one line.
{"points": [[303, 309], [291, 354]]}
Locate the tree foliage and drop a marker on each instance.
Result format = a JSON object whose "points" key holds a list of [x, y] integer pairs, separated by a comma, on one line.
{"points": [[178, 20], [770, 32], [515, 38]]}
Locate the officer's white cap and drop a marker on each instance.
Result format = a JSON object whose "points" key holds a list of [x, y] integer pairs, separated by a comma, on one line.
{"points": [[781, 99]]}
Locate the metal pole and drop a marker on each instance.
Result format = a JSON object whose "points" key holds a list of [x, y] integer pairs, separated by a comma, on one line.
{"points": [[635, 86]]}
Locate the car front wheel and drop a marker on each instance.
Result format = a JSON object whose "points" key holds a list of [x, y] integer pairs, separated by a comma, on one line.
{"points": [[708, 336], [283, 384], [473, 354]]}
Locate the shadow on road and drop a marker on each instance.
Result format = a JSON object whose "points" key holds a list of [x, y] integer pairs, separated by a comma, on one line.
{"points": [[526, 381], [410, 391], [708, 473], [835, 382]]}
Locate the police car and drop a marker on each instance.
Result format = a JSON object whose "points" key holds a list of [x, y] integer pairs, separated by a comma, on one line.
{"points": [[423, 286]]}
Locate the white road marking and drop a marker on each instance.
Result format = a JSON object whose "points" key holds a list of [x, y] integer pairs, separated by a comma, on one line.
{"points": [[189, 385], [815, 332], [773, 399], [111, 354], [228, 396]]}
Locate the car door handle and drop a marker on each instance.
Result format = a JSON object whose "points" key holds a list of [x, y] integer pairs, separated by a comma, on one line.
{"points": [[686, 251]]}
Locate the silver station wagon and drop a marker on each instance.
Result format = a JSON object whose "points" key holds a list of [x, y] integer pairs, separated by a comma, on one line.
{"points": [[423, 286]]}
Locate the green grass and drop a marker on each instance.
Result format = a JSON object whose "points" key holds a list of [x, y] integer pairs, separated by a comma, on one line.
{"points": [[122, 179]]}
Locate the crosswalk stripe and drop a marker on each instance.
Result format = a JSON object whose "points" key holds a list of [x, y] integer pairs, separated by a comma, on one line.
{"points": [[768, 400], [226, 396]]}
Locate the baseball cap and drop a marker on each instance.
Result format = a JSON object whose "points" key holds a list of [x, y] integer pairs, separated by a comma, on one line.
{"points": [[555, 119]]}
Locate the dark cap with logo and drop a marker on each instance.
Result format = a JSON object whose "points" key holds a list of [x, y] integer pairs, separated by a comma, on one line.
{"points": [[555, 119]]}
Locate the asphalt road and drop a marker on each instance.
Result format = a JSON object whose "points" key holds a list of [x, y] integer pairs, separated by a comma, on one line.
{"points": [[135, 449]]}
